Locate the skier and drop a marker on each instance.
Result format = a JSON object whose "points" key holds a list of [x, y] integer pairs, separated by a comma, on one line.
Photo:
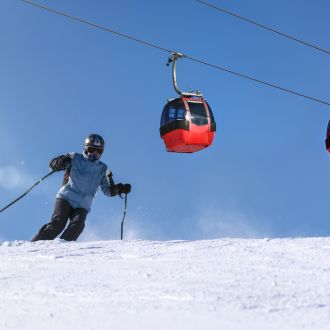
{"points": [[84, 174]]}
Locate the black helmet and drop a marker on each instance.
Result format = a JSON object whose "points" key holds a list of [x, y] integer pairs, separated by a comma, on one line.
{"points": [[93, 146]]}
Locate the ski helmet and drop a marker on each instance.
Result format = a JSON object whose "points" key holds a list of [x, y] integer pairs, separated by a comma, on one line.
{"points": [[93, 146]]}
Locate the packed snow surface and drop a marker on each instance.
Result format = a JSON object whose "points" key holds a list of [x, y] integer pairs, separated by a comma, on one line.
{"points": [[212, 284]]}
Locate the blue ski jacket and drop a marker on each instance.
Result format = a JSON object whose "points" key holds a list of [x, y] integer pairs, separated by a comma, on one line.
{"points": [[85, 178]]}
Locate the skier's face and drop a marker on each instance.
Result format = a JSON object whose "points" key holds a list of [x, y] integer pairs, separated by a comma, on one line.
{"points": [[94, 153]]}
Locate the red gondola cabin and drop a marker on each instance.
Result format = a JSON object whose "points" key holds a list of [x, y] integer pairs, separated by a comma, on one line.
{"points": [[187, 124], [327, 139]]}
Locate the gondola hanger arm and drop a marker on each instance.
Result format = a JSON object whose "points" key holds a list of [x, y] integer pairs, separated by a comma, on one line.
{"points": [[172, 59]]}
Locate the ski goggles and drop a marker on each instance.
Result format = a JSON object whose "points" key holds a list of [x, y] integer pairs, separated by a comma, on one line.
{"points": [[93, 150]]}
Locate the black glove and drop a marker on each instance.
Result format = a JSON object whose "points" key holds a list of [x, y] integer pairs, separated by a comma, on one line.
{"points": [[113, 190], [60, 163], [123, 188]]}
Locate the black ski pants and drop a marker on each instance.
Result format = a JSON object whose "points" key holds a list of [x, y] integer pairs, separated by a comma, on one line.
{"points": [[62, 212]]}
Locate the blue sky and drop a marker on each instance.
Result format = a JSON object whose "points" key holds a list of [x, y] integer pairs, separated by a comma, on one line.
{"points": [[267, 172]]}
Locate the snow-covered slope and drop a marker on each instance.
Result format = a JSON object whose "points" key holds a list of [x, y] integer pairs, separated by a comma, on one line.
{"points": [[216, 284]]}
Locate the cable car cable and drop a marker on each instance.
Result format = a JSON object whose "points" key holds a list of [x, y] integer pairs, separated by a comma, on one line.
{"points": [[258, 80], [95, 25], [264, 27], [173, 52]]}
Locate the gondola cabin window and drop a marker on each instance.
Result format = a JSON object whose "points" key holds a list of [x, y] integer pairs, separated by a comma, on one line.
{"points": [[173, 111], [198, 113]]}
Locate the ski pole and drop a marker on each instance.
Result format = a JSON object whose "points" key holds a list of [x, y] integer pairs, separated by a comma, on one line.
{"points": [[122, 221], [18, 198]]}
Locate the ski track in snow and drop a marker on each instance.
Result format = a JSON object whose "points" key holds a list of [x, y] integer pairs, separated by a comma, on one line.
{"points": [[211, 284]]}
